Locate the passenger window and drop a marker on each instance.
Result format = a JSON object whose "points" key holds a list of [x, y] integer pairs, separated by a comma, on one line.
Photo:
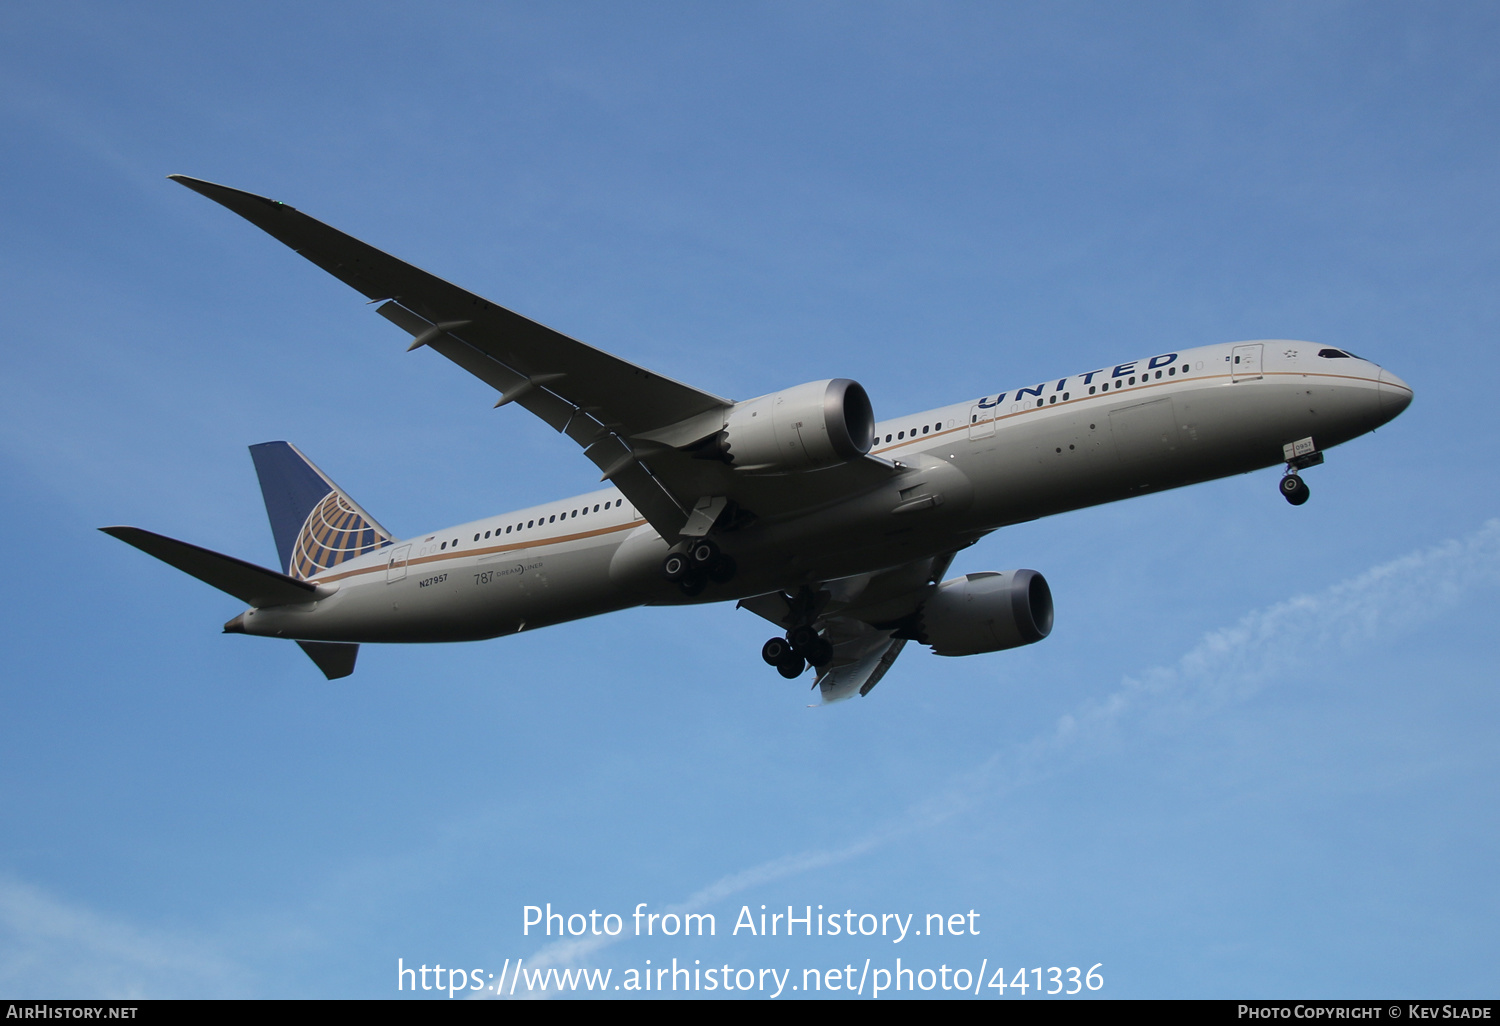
{"points": [[1158, 375], [1039, 402], [596, 507], [552, 519], [507, 529], [1065, 397], [1132, 379], [924, 429], [1091, 390], [887, 438], [1171, 371], [530, 522], [1053, 399], [900, 434]]}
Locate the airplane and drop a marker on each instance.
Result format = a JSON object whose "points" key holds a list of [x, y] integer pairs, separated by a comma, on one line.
{"points": [[799, 505]]}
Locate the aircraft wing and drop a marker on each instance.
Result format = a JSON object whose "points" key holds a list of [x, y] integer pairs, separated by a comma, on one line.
{"points": [[857, 666], [638, 427], [620, 413], [862, 617]]}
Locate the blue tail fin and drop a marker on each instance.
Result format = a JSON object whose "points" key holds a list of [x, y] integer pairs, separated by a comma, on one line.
{"points": [[317, 526]]}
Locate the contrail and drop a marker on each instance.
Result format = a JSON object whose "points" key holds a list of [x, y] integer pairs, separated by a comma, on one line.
{"points": [[1233, 663], [1229, 665]]}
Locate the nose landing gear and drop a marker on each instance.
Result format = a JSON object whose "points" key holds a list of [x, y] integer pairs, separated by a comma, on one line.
{"points": [[1300, 455]]}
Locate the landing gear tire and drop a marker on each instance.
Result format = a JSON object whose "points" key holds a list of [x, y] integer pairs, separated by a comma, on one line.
{"points": [[1294, 489], [703, 552], [820, 653], [791, 668], [675, 566], [802, 638], [776, 651], [693, 582], [722, 569]]}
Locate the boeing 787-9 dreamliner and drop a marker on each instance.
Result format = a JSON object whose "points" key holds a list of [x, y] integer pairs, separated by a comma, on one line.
{"points": [[800, 505]]}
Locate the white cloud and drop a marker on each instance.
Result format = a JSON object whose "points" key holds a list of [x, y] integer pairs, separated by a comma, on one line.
{"points": [[52, 949]]}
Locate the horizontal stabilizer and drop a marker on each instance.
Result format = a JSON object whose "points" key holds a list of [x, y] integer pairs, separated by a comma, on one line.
{"points": [[334, 658], [254, 585]]}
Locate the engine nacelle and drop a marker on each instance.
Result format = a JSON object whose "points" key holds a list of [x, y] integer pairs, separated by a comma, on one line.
{"points": [[812, 425], [987, 612]]}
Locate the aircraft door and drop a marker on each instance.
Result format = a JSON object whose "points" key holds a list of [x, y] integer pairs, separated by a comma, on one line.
{"points": [[981, 422], [395, 569], [1244, 363]]}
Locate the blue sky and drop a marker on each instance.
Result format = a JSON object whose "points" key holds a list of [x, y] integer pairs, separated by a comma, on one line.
{"points": [[1256, 756]]}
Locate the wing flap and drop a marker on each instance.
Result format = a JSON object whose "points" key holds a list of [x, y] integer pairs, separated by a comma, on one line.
{"points": [[600, 437], [858, 665]]}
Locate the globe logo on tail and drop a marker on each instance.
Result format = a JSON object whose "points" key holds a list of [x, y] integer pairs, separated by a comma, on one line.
{"points": [[335, 532]]}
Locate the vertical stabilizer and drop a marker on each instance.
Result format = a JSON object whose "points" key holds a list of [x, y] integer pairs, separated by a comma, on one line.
{"points": [[317, 526]]}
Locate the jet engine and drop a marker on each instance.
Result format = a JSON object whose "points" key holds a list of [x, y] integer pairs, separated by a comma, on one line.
{"points": [[811, 425], [986, 612]]}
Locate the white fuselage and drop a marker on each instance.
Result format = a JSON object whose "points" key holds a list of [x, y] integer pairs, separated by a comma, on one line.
{"points": [[963, 471]]}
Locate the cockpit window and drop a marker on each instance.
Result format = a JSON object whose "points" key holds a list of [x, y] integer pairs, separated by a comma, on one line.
{"points": [[1333, 354]]}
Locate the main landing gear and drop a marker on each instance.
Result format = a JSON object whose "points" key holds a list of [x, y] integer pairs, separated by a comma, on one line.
{"points": [[694, 567], [792, 654]]}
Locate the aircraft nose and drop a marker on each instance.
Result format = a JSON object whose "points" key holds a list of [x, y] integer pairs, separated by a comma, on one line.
{"points": [[1395, 395]]}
